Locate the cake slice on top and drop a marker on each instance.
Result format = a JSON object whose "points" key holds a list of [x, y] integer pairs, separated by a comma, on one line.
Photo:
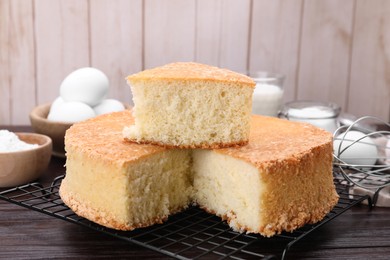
{"points": [[190, 105]]}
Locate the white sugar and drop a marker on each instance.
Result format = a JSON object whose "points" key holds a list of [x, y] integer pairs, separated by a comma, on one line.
{"points": [[319, 116], [312, 112], [10, 142]]}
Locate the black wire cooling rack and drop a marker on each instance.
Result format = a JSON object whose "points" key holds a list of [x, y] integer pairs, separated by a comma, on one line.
{"points": [[191, 234]]}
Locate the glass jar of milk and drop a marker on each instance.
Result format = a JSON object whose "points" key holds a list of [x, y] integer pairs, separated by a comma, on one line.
{"points": [[321, 114], [268, 93]]}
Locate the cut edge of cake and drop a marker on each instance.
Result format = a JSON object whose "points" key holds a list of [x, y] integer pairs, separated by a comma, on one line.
{"points": [[137, 195], [260, 200]]}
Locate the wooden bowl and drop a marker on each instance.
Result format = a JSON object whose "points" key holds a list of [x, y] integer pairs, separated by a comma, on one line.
{"points": [[55, 130], [21, 167]]}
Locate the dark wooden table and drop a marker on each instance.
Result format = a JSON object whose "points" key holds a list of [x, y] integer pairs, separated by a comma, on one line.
{"points": [[359, 233]]}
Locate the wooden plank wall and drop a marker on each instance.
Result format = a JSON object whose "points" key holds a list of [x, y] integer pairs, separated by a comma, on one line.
{"points": [[329, 50]]}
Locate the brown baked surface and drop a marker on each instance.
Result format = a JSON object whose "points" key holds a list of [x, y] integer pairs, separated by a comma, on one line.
{"points": [[280, 149], [82, 208], [101, 137], [200, 146], [272, 140], [189, 71], [295, 161]]}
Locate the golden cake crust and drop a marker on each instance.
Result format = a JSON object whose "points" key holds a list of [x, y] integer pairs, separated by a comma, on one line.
{"points": [[276, 157], [189, 71], [268, 143], [87, 211], [305, 150], [81, 208], [197, 146], [101, 137]]}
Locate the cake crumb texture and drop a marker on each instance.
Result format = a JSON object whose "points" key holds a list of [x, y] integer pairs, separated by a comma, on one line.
{"points": [[190, 105], [281, 180]]}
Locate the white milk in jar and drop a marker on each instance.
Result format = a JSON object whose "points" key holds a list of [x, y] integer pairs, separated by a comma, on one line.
{"points": [[268, 93]]}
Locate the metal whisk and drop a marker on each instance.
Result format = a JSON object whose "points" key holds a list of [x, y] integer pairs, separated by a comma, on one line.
{"points": [[373, 176]]}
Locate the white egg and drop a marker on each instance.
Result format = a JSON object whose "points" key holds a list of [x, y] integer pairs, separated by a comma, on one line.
{"points": [[87, 85], [108, 106], [363, 152], [71, 112], [56, 103]]}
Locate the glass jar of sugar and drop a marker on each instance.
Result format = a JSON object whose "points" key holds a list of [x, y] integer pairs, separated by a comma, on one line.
{"points": [[321, 114], [268, 93]]}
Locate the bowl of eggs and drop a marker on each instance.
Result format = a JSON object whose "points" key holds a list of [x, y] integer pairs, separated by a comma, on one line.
{"points": [[23, 157], [56, 130], [82, 96]]}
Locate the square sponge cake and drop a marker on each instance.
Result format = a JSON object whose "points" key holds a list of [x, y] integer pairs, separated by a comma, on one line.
{"points": [[190, 105]]}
